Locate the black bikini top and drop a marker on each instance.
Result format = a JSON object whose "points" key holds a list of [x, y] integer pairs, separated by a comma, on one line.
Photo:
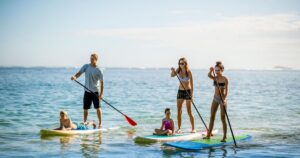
{"points": [[221, 84]]}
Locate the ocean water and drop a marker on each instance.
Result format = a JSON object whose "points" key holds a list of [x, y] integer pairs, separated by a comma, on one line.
{"points": [[264, 104]]}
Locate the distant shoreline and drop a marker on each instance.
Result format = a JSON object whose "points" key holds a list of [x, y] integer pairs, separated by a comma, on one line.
{"points": [[137, 68]]}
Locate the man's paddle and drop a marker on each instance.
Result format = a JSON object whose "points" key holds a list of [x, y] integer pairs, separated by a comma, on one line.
{"points": [[192, 102], [131, 121], [215, 78]]}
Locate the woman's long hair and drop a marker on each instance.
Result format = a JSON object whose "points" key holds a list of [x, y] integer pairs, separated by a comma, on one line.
{"points": [[187, 68], [220, 65]]}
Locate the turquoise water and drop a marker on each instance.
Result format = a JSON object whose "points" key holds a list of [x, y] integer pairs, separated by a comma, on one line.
{"points": [[264, 104]]}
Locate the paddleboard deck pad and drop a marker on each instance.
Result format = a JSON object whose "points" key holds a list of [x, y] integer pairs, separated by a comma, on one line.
{"points": [[175, 137], [214, 141]]}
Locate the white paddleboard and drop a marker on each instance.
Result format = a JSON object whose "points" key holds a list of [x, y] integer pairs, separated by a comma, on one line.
{"points": [[73, 132], [175, 137]]}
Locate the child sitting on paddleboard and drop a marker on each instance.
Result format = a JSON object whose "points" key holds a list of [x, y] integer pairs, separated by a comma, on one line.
{"points": [[167, 126], [67, 124]]}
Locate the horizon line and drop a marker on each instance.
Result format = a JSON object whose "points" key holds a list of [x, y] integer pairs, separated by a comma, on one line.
{"points": [[275, 68]]}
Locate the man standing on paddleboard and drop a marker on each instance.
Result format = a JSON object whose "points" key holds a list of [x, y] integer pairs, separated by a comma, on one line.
{"points": [[93, 75]]}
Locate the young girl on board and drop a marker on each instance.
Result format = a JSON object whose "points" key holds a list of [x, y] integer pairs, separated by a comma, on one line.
{"points": [[167, 126], [220, 98], [67, 124]]}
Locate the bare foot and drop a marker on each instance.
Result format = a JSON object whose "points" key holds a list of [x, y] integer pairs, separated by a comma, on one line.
{"points": [[223, 140], [100, 126], [207, 137], [94, 125], [193, 131], [178, 131]]}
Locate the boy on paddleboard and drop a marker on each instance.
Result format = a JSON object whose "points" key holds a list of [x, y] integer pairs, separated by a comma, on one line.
{"points": [[67, 124]]}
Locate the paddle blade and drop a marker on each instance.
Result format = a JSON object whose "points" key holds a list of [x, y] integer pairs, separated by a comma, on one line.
{"points": [[131, 121]]}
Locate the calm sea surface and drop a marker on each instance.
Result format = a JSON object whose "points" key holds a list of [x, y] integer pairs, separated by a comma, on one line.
{"points": [[264, 104]]}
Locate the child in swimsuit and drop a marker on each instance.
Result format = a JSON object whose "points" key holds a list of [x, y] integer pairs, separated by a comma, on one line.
{"points": [[67, 124], [167, 126]]}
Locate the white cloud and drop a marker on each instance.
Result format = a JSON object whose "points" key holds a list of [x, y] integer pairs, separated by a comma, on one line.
{"points": [[237, 37], [234, 28]]}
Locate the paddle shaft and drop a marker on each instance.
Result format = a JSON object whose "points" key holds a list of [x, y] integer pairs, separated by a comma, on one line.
{"points": [[223, 105], [98, 97], [192, 102]]}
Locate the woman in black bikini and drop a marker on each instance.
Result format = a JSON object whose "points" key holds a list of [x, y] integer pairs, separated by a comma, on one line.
{"points": [[221, 82], [186, 78]]}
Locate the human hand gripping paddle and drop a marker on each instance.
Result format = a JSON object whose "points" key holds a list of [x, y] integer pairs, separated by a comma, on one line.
{"points": [[129, 120], [223, 105], [193, 104]]}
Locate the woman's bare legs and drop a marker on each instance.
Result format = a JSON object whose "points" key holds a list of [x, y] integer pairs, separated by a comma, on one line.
{"points": [[224, 123], [190, 112], [162, 132], [213, 111], [179, 114]]}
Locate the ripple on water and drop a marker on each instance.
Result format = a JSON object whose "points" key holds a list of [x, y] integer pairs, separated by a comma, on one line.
{"points": [[32, 98]]}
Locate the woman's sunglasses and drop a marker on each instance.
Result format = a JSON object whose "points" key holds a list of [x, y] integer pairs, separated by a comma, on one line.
{"points": [[181, 63]]}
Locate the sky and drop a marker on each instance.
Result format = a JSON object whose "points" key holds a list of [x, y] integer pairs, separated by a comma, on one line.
{"points": [[243, 34]]}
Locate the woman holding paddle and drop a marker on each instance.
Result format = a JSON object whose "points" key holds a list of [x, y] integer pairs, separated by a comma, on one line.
{"points": [[220, 98], [185, 92]]}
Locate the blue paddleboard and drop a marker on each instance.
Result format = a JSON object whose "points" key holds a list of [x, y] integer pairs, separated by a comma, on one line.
{"points": [[204, 143]]}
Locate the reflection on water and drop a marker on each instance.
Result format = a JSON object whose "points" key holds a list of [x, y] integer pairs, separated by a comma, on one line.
{"points": [[90, 144], [223, 151], [67, 140], [131, 133], [66, 143]]}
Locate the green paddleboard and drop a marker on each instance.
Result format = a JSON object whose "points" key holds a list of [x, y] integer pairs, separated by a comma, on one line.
{"points": [[204, 143]]}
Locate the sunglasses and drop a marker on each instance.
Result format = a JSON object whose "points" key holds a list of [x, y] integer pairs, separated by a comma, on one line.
{"points": [[181, 64]]}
